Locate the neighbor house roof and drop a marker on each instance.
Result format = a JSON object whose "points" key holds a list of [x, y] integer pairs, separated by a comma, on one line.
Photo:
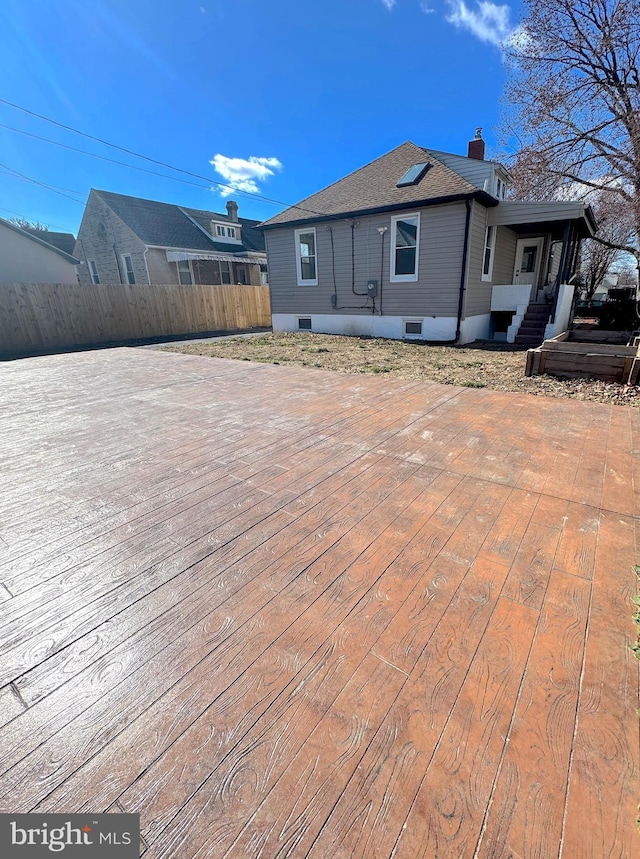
{"points": [[64, 241], [373, 188], [169, 226], [50, 245]]}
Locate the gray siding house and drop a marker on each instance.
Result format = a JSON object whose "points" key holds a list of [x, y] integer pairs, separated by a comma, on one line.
{"points": [[126, 239], [423, 244]]}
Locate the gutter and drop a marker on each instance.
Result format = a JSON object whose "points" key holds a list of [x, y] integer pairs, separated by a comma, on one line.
{"points": [[481, 196]]}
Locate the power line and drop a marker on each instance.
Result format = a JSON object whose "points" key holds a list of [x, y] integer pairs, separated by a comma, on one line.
{"points": [[44, 185], [13, 174], [155, 160], [104, 157]]}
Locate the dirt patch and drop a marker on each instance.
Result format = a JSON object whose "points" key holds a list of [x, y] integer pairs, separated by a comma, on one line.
{"points": [[484, 364]]}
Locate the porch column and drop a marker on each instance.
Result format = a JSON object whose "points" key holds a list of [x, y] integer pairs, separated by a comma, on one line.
{"points": [[564, 255]]}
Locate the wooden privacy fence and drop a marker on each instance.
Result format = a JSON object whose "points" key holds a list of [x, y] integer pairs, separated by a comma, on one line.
{"points": [[43, 317]]}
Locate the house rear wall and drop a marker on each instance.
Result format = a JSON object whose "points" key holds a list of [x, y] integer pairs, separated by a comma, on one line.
{"points": [[434, 294]]}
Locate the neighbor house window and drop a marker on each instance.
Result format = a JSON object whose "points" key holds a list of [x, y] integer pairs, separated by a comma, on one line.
{"points": [[225, 272], [93, 271], [304, 323], [501, 188], [306, 263], [184, 272], [225, 232], [264, 275], [128, 268], [487, 260], [405, 244]]}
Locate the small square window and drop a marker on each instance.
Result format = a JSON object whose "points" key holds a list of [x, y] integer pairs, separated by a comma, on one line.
{"points": [[413, 328], [304, 323]]}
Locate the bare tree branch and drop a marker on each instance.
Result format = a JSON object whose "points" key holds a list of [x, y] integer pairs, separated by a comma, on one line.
{"points": [[573, 101]]}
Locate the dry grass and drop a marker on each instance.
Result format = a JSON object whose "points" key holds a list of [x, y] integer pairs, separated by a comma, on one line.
{"points": [[484, 364]]}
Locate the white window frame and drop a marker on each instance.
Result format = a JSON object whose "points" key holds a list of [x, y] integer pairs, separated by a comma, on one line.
{"points": [[220, 231], [298, 233], [407, 335], [403, 278], [126, 257], [231, 232], [501, 188], [93, 272], [489, 245], [193, 280]]}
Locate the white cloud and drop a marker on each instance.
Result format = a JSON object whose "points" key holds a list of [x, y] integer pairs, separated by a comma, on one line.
{"points": [[243, 174], [426, 8], [489, 21], [389, 3]]}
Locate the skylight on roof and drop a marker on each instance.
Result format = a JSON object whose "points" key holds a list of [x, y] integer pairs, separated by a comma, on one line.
{"points": [[413, 175]]}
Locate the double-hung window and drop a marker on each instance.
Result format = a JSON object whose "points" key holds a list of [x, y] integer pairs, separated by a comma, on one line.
{"points": [[306, 259], [93, 271], [128, 268], [184, 272], [405, 247], [487, 259]]}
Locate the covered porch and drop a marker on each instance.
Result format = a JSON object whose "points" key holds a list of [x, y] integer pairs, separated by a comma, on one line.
{"points": [[543, 240], [218, 268]]}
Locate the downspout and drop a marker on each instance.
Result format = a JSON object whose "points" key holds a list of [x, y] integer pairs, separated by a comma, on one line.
{"points": [[463, 276], [382, 231], [146, 263]]}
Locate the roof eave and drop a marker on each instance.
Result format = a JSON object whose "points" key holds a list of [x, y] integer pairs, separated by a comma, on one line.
{"points": [[40, 241], [479, 195]]}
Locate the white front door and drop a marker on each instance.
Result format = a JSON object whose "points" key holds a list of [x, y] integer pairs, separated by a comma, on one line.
{"points": [[528, 258]]}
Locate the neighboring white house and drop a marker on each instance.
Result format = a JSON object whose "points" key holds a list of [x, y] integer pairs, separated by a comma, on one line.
{"points": [[25, 258]]}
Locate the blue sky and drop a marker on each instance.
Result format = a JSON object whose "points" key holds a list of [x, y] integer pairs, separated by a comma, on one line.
{"points": [[283, 97]]}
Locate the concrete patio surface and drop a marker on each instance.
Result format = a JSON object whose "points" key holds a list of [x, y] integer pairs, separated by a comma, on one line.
{"points": [[288, 612]]}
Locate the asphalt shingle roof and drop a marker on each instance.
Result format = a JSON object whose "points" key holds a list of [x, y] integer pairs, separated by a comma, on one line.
{"points": [[63, 241], [374, 186], [171, 226]]}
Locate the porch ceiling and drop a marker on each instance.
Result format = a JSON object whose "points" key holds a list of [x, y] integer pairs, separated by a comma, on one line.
{"points": [[526, 217]]}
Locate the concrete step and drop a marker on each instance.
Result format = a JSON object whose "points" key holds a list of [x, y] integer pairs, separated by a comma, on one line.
{"points": [[529, 339], [532, 329]]}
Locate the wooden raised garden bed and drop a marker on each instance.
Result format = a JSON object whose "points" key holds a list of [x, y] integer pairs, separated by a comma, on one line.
{"points": [[566, 355]]}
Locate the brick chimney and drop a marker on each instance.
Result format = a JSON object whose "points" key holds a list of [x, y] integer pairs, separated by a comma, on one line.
{"points": [[232, 210], [476, 147]]}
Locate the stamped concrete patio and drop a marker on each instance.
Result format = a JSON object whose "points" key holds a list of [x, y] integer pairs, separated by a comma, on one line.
{"points": [[286, 612]]}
